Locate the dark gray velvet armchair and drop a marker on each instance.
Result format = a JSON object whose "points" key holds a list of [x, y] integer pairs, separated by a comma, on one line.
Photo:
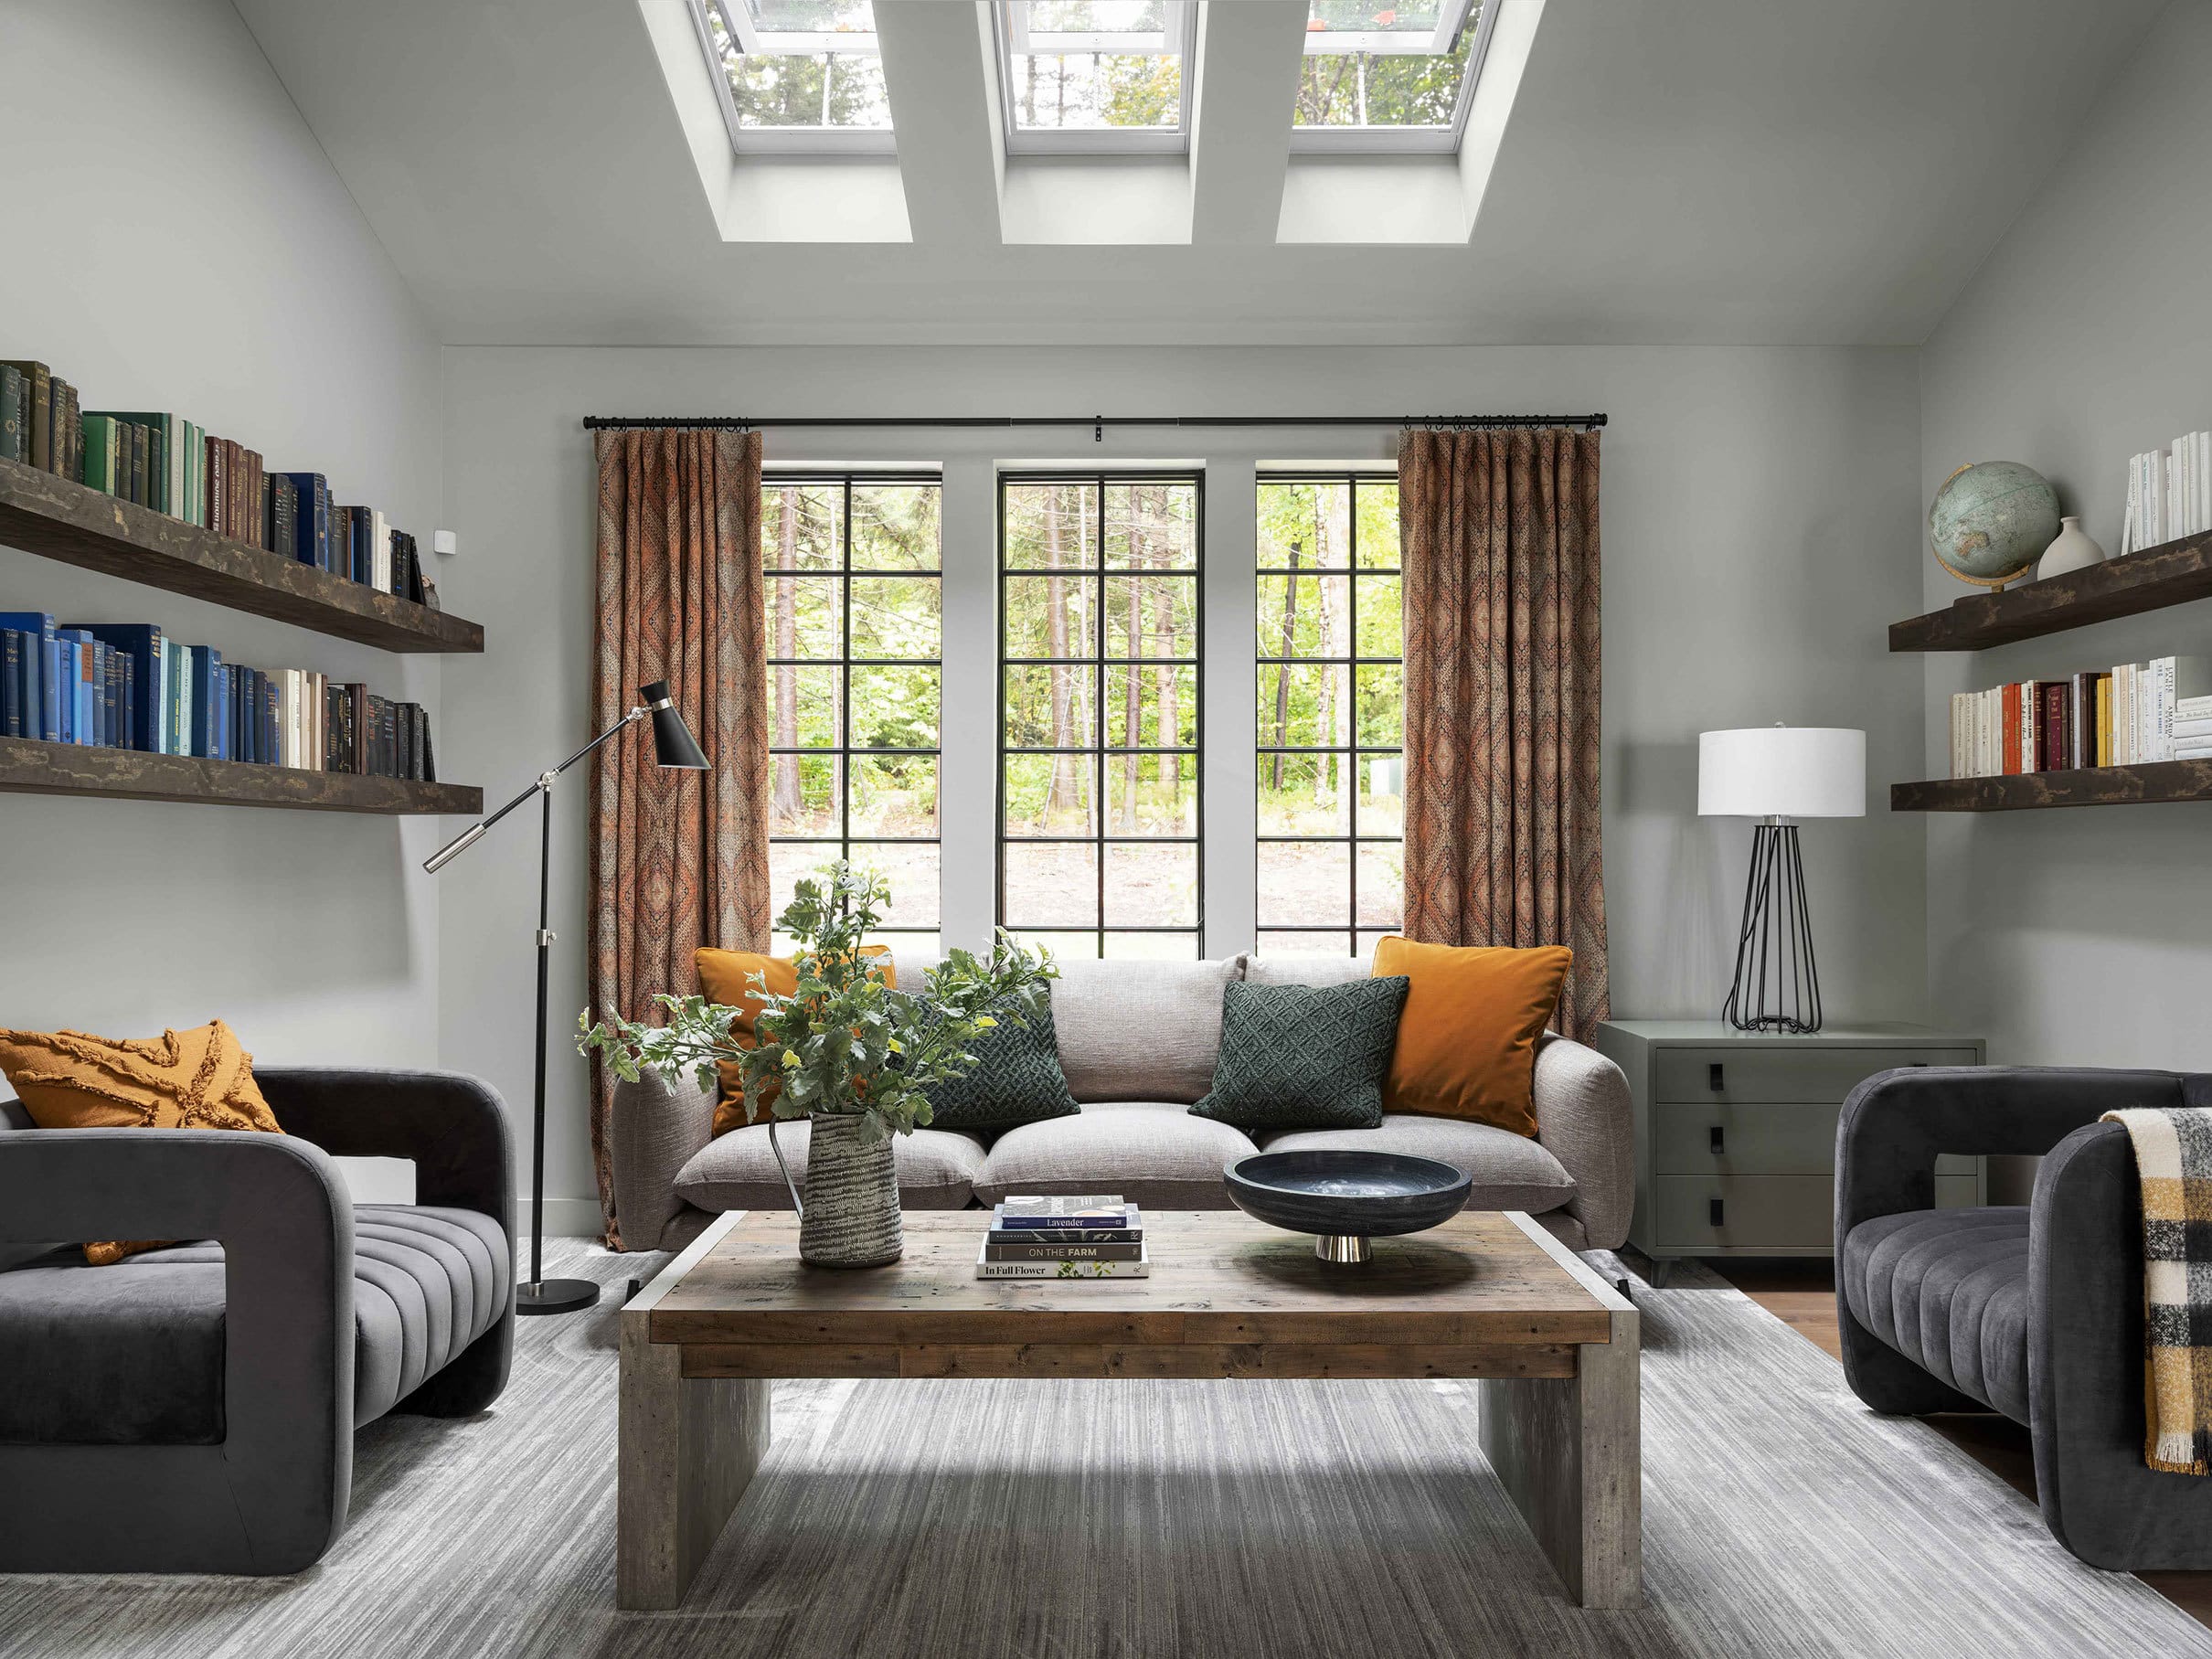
{"points": [[192, 1409], [2033, 1312]]}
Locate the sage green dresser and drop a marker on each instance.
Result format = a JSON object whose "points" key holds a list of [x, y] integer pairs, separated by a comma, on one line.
{"points": [[1736, 1130]]}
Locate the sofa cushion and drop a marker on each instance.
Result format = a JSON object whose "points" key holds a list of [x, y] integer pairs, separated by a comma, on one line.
{"points": [[1304, 1056], [1510, 1171], [1016, 1078], [1153, 1152], [133, 1353], [1948, 1290], [937, 1168], [1140, 1030], [1467, 1043], [726, 976], [1303, 970]]}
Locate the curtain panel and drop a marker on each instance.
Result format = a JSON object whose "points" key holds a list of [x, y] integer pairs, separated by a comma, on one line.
{"points": [[1499, 543], [679, 859]]}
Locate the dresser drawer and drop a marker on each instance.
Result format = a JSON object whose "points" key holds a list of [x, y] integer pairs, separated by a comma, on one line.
{"points": [[1762, 1074], [1760, 1213], [1720, 1138]]}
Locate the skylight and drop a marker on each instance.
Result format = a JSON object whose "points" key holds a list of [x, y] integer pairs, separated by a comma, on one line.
{"points": [[798, 75], [1383, 77], [1096, 77]]}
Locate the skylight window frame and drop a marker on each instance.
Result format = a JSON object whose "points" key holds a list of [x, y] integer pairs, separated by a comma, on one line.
{"points": [[1402, 140], [1006, 28], [783, 140]]}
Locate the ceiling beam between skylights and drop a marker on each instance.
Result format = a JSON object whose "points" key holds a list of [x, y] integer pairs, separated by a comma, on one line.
{"points": [[1241, 139], [941, 81]]}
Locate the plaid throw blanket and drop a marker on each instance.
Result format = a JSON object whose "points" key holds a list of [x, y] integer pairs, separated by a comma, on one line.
{"points": [[2174, 1156]]}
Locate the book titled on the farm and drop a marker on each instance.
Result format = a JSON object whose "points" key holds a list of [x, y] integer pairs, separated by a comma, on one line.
{"points": [[1062, 1247], [1058, 1210], [1067, 1268]]}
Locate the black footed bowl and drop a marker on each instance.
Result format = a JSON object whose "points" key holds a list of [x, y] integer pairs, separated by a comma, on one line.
{"points": [[1346, 1197]]}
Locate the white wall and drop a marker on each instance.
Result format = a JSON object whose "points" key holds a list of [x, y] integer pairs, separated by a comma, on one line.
{"points": [[266, 310], [1749, 497], [2077, 937]]}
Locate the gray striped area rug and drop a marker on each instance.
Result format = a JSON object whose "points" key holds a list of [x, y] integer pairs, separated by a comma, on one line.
{"points": [[1064, 1520]]}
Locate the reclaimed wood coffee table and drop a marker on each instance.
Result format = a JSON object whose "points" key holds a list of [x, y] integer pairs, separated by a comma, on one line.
{"points": [[1487, 1295]]}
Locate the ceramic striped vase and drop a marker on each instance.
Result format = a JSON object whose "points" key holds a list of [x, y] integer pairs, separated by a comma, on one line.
{"points": [[851, 1217]]}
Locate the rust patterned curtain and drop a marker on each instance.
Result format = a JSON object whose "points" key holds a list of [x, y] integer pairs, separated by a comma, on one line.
{"points": [[1498, 534], [679, 859]]}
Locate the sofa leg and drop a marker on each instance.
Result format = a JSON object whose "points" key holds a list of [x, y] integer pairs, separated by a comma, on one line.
{"points": [[473, 1381]]}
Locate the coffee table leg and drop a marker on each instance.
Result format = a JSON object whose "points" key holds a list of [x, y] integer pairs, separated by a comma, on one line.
{"points": [[1569, 1453], [689, 1447]]}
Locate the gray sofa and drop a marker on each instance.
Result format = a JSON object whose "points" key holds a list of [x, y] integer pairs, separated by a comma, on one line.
{"points": [[1138, 1041], [192, 1409], [2032, 1310]]}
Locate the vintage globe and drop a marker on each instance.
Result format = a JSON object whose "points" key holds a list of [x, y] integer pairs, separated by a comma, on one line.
{"points": [[1989, 523]]}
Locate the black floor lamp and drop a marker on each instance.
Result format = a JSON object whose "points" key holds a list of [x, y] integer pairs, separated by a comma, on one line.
{"points": [[672, 745]]}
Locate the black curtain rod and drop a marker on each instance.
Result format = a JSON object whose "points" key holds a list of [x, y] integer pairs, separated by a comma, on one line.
{"points": [[1097, 423]]}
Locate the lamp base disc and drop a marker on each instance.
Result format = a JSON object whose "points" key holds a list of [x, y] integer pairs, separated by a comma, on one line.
{"points": [[556, 1296]]}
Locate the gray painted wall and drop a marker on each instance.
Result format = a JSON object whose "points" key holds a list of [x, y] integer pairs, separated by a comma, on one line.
{"points": [[1749, 496], [270, 314], [2079, 936]]}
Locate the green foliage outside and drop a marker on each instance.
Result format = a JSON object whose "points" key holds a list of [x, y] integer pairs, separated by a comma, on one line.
{"points": [[846, 1041]]}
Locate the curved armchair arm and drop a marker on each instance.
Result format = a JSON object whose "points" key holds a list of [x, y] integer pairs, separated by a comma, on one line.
{"points": [[286, 1226], [453, 1126], [1894, 1125]]}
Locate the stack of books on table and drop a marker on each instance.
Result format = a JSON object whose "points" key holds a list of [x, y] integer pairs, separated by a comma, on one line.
{"points": [[1083, 1236]]}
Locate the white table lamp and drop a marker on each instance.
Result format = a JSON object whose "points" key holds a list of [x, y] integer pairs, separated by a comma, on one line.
{"points": [[1775, 775]]}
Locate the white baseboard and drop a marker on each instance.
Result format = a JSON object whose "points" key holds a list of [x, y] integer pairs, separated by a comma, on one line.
{"points": [[565, 1219]]}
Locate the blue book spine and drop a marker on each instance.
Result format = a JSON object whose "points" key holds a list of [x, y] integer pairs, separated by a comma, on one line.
{"points": [[205, 674], [313, 520], [49, 690], [67, 699], [110, 696], [10, 682], [223, 745], [77, 687], [126, 736], [140, 645]]}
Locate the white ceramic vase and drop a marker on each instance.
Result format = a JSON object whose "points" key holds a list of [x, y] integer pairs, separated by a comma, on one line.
{"points": [[2071, 549]]}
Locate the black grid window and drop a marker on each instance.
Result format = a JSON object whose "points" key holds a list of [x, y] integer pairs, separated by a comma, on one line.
{"points": [[854, 611], [1100, 806], [1329, 714]]}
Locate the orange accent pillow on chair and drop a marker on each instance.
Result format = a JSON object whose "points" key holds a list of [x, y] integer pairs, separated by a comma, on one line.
{"points": [[198, 1078], [726, 978], [1467, 1037]]}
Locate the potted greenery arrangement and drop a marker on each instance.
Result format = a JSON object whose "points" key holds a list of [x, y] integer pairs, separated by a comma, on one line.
{"points": [[847, 1050]]}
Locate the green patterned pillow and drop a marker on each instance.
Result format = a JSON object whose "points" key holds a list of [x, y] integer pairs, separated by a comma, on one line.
{"points": [[1304, 1056], [1016, 1080]]}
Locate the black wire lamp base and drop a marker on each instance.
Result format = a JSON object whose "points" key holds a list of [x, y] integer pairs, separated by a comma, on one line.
{"points": [[1777, 983]]}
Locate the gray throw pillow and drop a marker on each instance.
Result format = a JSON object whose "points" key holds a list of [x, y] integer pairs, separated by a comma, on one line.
{"points": [[1015, 1080], [1304, 1056]]}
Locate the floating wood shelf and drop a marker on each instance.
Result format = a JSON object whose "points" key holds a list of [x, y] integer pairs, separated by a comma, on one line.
{"points": [[2170, 574], [2158, 780], [66, 769], [56, 518]]}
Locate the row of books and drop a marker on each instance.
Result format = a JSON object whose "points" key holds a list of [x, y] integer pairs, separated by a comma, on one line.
{"points": [[124, 686], [164, 462], [2169, 493], [1084, 1235], [2125, 716]]}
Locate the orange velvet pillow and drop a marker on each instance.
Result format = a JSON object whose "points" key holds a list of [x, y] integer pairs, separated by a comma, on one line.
{"points": [[198, 1078], [726, 976], [1467, 1039]]}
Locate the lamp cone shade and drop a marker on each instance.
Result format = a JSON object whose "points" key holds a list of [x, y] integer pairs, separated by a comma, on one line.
{"points": [[672, 744]]}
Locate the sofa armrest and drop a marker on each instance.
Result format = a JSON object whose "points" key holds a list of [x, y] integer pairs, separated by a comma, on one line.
{"points": [[1894, 1125], [1585, 1120], [658, 1125], [277, 1206], [452, 1126]]}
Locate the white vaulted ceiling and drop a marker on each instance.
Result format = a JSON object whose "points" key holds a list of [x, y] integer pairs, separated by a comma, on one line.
{"points": [[1692, 171]]}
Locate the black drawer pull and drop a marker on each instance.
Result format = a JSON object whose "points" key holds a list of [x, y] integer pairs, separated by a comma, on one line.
{"points": [[1719, 1140], [1714, 1215], [1712, 1077]]}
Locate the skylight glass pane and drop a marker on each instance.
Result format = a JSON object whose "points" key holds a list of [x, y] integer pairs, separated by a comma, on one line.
{"points": [[1382, 68], [800, 66], [1095, 66]]}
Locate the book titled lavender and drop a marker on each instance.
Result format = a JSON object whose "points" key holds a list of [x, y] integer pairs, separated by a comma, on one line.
{"points": [[1063, 1211]]}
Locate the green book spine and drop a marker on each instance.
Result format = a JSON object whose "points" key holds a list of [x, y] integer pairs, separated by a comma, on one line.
{"points": [[138, 463], [100, 451], [11, 412]]}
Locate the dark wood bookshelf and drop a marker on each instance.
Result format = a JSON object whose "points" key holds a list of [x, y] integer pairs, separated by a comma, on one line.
{"points": [[66, 768], [58, 518], [2157, 780], [2172, 573]]}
